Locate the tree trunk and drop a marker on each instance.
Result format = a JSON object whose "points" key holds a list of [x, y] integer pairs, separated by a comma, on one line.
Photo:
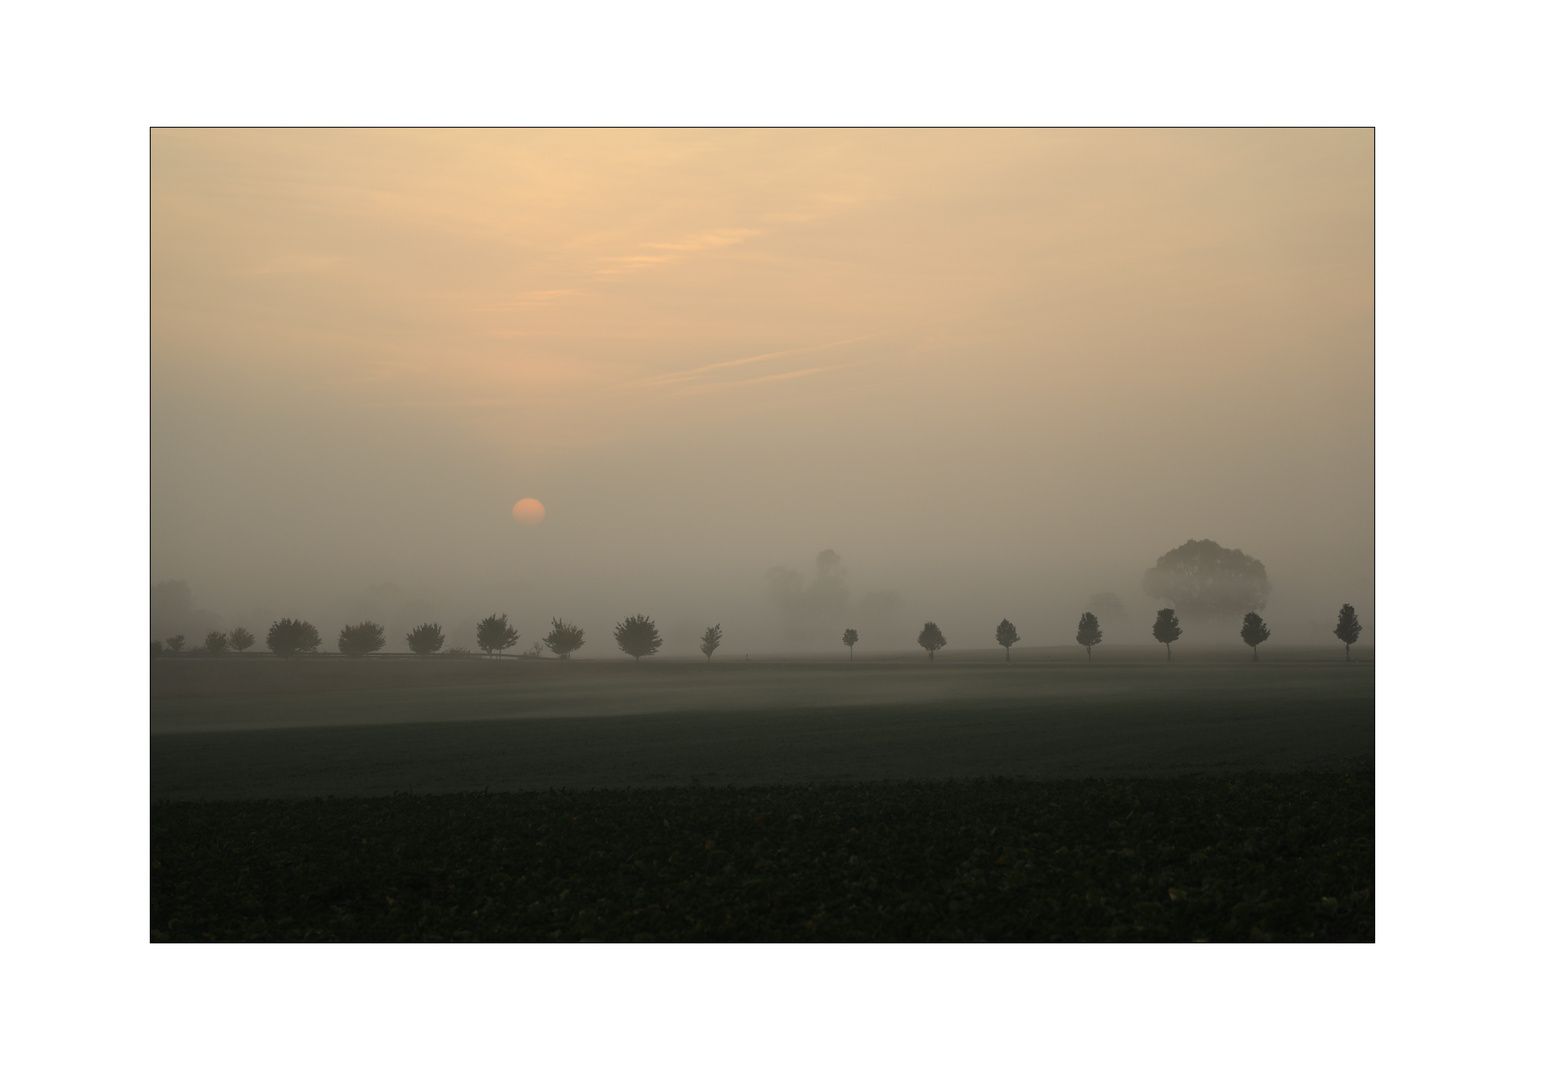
{"points": [[1254, 654], [930, 654], [1168, 645], [1088, 652], [850, 647], [1346, 658], [1008, 654]]}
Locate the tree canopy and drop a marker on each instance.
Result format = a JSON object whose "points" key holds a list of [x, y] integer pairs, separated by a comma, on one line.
{"points": [[1348, 628], [425, 638], [1166, 629], [1088, 633], [241, 639], [637, 637], [176, 641], [931, 639], [287, 637], [1254, 631], [848, 639], [216, 643], [1205, 580], [493, 634], [1006, 636], [361, 639], [710, 640], [564, 638]]}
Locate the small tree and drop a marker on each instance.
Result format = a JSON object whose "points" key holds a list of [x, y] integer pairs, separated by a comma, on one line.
{"points": [[637, 636], [241, 639], [494, 635], [1006, 636], [176, 642], [1088, 633], [1166, 629], [425, 638], [710, 640], [287, 637], [931, 639], [849, 641], [361, 639], [216, 643], [1254, 631], [564, 638], [155, 649], [1348, 628]]}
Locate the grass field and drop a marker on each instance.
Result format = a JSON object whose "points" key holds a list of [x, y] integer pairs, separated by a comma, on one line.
{"points": [[796, 800]]}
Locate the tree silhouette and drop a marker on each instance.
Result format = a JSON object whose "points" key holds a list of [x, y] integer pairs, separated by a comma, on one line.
{"points": [[361, 639], [710, 640], [1166, 629], [564, 638], [1348, 628], [849, 641], [175, 642], [1254, 631], [1088, 633], [637, 636], [155, 649], [425, 638], [1006, 636], [241, 639], [216, 643], [494, 635], [931, 639], [286, 637], [1205, 579]]}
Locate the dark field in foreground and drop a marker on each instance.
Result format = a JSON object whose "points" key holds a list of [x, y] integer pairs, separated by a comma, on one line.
{"points": [[551, 725], [1249, 857]]}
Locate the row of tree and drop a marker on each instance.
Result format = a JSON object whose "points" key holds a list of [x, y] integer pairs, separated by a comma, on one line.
{"points": [[637, 636]]}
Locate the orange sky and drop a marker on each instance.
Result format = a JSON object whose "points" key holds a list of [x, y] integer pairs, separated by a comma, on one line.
{"points": [[1058, 353]]}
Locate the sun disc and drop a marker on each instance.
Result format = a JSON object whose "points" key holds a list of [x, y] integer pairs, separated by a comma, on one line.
{"points": [[529, 512]]}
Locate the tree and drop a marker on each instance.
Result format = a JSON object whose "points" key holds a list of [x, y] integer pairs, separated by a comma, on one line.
{"points": [[1254, 631], [637, 636], [216, 643], [241, 639], [849, 641], [1207, 580], [931, 639], [1006, 636], [1348, 628], [1088, 633], [1166, 629], [361, 639], [710, 640], [155, 649], [425, 638], [175, 642], [286, 637], [564, 638], [493, 634]]}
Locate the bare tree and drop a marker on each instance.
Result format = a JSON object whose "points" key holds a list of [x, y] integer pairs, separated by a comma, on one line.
{"points": [[1347, 630], [931, 639], [849, 641], [1088, 633], [1254, 631], [710, 640], [241, 639], [1166, 629], [564, 639], [637, 636], [1006, 636]]}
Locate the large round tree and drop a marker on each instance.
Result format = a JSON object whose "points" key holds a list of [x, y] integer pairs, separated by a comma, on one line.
{"points": [[1205, 580]]}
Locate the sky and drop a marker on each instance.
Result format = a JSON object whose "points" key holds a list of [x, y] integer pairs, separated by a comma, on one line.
{"points": [[997, 372]]}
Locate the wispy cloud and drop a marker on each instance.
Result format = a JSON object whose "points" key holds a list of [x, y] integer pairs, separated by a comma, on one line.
{"points": [[616, 265], [694, 374]]}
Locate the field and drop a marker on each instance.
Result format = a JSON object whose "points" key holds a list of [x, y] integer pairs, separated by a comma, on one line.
{"points": [[1047, 799]]}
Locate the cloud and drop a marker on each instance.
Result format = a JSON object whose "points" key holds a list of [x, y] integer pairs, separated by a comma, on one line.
{"points": [[714, 240]]}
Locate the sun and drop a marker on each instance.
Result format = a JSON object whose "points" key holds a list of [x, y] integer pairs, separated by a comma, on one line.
{"points": [[529, 512]]}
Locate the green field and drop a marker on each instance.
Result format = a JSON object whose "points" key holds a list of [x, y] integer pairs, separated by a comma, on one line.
{"points": [[320, 727]]}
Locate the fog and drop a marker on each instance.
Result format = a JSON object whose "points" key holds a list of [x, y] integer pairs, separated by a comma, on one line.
{"points": [[784, 381]]}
